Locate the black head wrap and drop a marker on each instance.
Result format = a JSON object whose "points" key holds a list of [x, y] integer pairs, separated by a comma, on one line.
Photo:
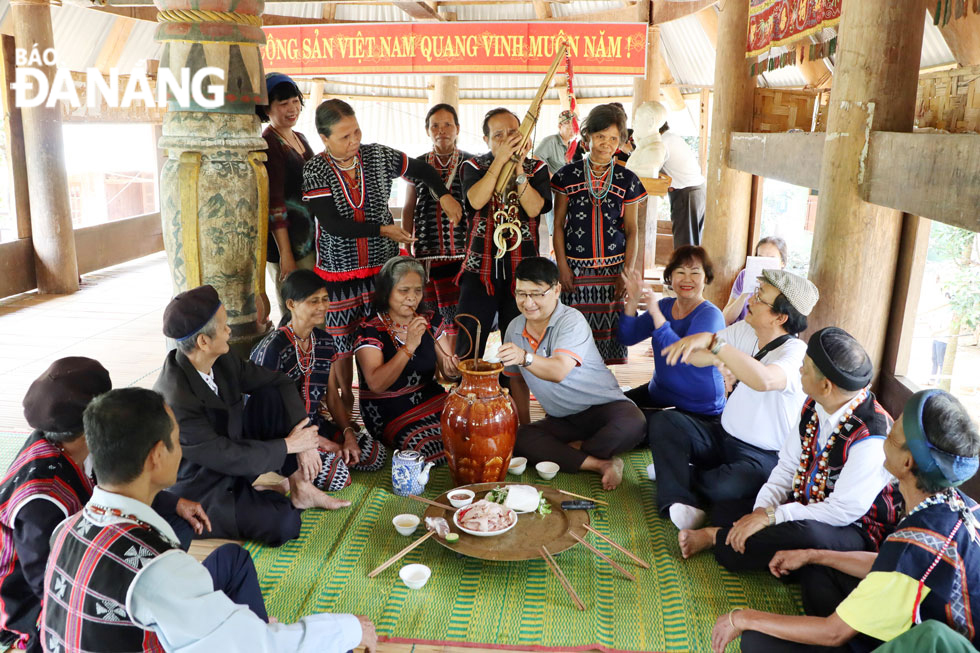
{"points": [[854, 380]]}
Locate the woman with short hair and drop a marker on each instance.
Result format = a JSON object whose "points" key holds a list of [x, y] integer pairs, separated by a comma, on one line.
{"points": [[348, 186], [305, 352], [595, 228], [398, 353], [291, 234], [697, 390], [440, 243]]}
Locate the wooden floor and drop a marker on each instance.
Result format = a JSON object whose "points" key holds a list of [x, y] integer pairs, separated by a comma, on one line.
{"points": [[116, 318]]}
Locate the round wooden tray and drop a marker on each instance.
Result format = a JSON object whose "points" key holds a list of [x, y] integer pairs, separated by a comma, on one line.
{"points": [[523, 542]]}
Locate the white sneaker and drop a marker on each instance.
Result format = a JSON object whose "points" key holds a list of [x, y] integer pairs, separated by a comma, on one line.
{"points": [[652, 472], [686, 517]]}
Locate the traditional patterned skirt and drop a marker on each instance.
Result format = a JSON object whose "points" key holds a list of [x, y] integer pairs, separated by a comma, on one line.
{"points": [[350, 304], [407, 419], [335, 474], [595, 297], [441, 291]]}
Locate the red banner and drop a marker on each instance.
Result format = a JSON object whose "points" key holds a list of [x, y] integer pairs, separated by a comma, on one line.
{"points": [[778, 22], [453, 48]]}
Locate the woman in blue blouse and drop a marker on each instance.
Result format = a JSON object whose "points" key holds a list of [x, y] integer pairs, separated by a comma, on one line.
{"points": [[699, 390]]}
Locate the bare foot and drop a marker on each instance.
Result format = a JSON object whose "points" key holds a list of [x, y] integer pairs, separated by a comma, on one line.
{"points": [[612, 473], [282, 487], [304, 496], [693, 542]]}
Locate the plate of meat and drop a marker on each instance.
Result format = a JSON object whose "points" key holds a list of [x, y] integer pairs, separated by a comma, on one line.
{"points": [[485, 519]]}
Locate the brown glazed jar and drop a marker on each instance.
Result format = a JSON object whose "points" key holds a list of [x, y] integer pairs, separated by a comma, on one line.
{"points": [[479, 425]]}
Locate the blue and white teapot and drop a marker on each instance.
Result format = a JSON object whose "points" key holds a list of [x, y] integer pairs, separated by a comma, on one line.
{"points": [[409, 473]]}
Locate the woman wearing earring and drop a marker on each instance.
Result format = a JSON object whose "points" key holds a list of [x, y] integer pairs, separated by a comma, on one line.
{"points": [[348, 186], [399, 352], [290, 223], [595, 228], [440, 243], [306, 354]]}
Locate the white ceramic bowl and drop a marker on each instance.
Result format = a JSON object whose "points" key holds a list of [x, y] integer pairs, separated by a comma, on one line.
{"points": [[517, 465], [466, 498], [415, 576], [406, 524], [513, 523], [547, 470]]}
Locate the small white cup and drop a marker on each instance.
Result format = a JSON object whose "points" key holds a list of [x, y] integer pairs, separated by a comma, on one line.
{"points": [[460, 498], [415, 576], [547, 470], [406, 524], [517, 465]]}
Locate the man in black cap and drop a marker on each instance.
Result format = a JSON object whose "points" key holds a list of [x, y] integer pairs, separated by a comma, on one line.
{"points": [[47, 482], [227, 443], [829, 489]]}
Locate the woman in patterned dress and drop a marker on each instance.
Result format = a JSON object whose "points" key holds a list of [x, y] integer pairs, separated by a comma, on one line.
{"points": [[348, 186], [306, 354], [595, 228], [440, 243], [398, 354]]}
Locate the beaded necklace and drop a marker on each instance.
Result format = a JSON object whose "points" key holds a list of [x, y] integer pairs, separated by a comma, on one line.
{"points": [[818, 491], [392, 328], [604, 180], [345, 182], [304, 360], [116, 512]]}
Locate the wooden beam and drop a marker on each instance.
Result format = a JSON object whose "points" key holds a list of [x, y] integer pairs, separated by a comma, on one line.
{"points": [[665, 11], [419, 10], [791, 157], [963, 38], [13, 125], [112, 47], [936, 176], [542, 9], [905, 296], [708, 18], [329, 12]]}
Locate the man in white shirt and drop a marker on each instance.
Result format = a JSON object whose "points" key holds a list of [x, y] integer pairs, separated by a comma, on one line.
{"points": [[728, 461], [829, 489], [116, 579], [687, 190]]}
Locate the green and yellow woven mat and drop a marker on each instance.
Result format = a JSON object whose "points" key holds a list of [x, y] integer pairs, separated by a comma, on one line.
{"points": [[671, 607]]}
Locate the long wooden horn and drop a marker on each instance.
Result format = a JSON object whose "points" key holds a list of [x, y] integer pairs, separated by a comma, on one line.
{"points": [[530, 118]]}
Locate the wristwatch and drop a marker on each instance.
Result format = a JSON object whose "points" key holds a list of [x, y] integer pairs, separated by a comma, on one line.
{"points": [[717, 342], [771, 515], [520, 179], [528, 359]]}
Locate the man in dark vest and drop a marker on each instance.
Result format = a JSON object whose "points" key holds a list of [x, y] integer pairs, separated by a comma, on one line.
{"points": [[227, 443], [116, 579], [50, 480]]}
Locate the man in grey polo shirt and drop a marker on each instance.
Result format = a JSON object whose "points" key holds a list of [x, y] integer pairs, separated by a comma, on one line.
{"points": [[549, 351]]}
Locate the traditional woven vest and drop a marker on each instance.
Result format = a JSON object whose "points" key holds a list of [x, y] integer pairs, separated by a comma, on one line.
{"points": [[868, 419], [90, 570], [40, 469], [438, 239], [348, 258]]}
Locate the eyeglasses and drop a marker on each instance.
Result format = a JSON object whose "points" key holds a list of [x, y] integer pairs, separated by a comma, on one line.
{"points": [[536, 296], [758, 298]]}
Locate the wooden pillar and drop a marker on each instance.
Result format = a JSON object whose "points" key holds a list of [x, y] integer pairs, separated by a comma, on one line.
{"points": [[704, 120], [726, 223], [647, 89], [14, 139], [963, 38], [445, 90], [51, 227], [855, 244]]}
